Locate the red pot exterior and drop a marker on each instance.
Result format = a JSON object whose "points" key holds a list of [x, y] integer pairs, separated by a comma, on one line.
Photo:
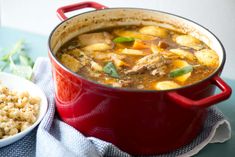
{"points": [[136, 122]]}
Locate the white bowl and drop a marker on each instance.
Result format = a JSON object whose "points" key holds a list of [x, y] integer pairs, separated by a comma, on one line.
{"points": [[21, 84]]}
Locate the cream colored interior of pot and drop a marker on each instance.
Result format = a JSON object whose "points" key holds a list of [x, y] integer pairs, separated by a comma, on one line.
{"points": [[117, 17]]}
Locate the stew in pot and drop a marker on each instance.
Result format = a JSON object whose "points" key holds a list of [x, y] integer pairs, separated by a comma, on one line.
{"points": [[143, 57]]}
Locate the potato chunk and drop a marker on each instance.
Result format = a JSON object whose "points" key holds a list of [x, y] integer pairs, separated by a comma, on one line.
{"points": [[189, 41], [133, 52], [183, 54], [94, 38], [155, 49], [117, 59], [180, 64], [97, 47], [75, 53], [208, 57], [96, 66], [133, 34], [70, 62], [155, 31], [164, 85]]}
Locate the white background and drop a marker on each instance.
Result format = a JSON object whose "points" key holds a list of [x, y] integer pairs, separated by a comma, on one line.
{"points": [[39, 16]]}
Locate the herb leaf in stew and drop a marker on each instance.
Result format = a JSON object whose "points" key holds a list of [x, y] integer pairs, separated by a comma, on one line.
{"points": [[110, 69]]}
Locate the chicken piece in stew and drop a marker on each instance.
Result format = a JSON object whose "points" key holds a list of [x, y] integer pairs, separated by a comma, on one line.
{"points": [[142, 57]]}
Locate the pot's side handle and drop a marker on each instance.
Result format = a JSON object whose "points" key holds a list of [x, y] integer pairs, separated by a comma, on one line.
{"points": [[205, 102], [62, 10]]}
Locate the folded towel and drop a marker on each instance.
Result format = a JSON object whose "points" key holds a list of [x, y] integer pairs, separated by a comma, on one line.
{"points": [[54, 138]]}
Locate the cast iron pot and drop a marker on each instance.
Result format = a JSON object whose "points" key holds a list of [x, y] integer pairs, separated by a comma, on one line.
{"points": [[140, 122]]}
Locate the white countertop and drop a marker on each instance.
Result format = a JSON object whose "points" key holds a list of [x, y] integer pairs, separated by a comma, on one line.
{"points": [[217, 15]]}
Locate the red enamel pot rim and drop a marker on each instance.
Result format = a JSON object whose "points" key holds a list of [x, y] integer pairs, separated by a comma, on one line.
{"points": [[131, 89]]}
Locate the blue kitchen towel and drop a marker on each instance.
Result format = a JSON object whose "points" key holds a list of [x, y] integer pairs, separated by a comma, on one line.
{"points": [[54, 138]]}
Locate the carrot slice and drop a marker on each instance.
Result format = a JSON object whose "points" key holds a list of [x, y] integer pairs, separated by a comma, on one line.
{"points": [[138, 44]]}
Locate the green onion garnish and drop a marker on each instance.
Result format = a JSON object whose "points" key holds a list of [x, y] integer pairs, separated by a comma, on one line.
{"points": [[123, 39]]}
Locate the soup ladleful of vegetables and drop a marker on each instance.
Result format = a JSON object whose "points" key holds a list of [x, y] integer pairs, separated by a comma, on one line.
{"points": [[142, 57]]}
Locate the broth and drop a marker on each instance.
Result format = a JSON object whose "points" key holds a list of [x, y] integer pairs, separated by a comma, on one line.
{"points": [[143, 57]]}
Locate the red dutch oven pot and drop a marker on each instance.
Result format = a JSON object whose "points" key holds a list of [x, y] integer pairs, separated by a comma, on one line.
{"points": [[140, 122]]}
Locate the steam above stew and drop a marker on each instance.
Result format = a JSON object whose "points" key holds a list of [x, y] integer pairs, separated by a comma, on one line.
{"points": [[143, 57]]}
